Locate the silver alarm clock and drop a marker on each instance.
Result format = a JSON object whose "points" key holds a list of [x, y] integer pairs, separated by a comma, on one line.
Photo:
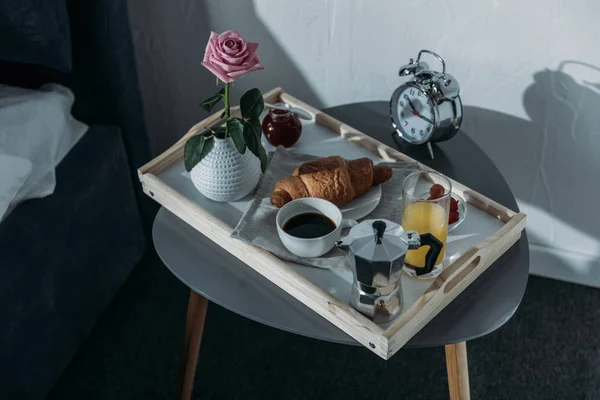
{"points": [[426, 108]]}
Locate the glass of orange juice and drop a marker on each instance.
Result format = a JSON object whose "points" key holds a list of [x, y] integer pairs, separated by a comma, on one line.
{"points": [[425, 208]]}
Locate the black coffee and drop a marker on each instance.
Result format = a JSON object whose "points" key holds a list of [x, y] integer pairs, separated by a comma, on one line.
{"points": [[309, 225]]}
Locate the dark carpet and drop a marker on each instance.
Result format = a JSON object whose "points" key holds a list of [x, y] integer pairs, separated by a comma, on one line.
{"points": [[549, 350]]}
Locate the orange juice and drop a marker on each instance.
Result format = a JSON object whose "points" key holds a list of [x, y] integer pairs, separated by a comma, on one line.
{"points": [[425, 217]]}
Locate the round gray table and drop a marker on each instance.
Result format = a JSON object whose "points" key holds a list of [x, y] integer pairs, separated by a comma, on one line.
{"points": [[223, 279]]}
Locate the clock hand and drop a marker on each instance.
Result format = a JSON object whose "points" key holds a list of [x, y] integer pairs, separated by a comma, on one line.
{"points": [[426, 119], [413, 107]]}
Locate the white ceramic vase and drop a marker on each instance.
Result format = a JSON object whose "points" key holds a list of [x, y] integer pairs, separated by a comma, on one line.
{"points": [[224, 174]]}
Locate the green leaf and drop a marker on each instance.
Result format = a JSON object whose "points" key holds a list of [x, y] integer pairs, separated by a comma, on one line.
{"points": [[258, 126], [220, 132], [264, 160], [209, 103], [196, 148], [252, 104], [252, 136], [235, 129], [209, 144], [191, 156]]}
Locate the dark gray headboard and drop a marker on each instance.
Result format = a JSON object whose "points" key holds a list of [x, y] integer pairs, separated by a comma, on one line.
{"points": [[36, 32]]}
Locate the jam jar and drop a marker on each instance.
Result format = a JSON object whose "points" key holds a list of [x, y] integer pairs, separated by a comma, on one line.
{"points": [[282, 127]]}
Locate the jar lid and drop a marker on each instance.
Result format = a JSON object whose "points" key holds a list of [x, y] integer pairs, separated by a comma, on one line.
{"points": [[281, 110], [378, 240]]}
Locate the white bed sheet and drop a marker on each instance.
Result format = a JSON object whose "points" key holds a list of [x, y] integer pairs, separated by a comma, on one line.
{"points": [[36, 131]]}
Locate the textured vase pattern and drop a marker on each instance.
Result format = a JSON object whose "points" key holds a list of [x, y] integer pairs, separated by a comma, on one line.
{"points": [[224, 174]]}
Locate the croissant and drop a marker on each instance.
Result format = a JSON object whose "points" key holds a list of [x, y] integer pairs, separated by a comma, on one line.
{"points": [[331, 178]]}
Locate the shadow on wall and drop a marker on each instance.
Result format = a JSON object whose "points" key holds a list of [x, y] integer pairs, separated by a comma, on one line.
{"points": [[552, 166], [170, 38]]}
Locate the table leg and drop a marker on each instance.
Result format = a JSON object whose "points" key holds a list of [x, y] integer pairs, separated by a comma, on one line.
{"points": [[194, 325], [458, 371]]}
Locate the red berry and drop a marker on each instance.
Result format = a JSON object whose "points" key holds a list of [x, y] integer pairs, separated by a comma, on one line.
{"points": [[453, 217], [453, 204], [436, 191]]}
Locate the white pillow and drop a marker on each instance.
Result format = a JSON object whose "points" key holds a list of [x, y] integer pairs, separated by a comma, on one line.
{"points": [[36, 131], [14, 171]]}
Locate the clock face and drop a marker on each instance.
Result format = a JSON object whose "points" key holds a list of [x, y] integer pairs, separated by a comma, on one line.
{"points": [[415, 116]]}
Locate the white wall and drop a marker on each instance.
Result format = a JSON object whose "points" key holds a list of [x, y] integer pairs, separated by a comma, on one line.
{"points": [[538, 123]]}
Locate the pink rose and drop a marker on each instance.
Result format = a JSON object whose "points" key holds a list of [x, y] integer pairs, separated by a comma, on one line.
{"points": [[229, 56]]}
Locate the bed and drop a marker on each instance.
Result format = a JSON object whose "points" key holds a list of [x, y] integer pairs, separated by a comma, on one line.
{"points": [[65, 253]]}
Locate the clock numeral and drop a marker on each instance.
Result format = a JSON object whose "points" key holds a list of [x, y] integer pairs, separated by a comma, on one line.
{"points": [[401, 104], [402, 114], [405, 96], [405, 123], [421, 132], [412, 92], [412, 130]]}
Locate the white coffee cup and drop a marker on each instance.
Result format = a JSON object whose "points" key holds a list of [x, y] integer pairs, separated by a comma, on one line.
{"points": [[313, 247]]}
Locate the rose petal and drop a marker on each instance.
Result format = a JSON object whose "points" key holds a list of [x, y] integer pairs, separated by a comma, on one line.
{"points": [[232, 51], [230, 34], [210, 46], [240, 51], [224, 40], [237, 74], [218, 56], [217, 71], [227, 66], [223, 37], [252, 65], [209, 52], [252, 47], [250, 50], [230, 47], [233, 60]]}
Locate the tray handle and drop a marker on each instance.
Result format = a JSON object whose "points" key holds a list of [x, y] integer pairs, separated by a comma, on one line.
{"points": [[483, 254]]}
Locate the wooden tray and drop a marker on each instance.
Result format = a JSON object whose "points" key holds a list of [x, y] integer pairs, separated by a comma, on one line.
{"points": [[384, 340]]}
